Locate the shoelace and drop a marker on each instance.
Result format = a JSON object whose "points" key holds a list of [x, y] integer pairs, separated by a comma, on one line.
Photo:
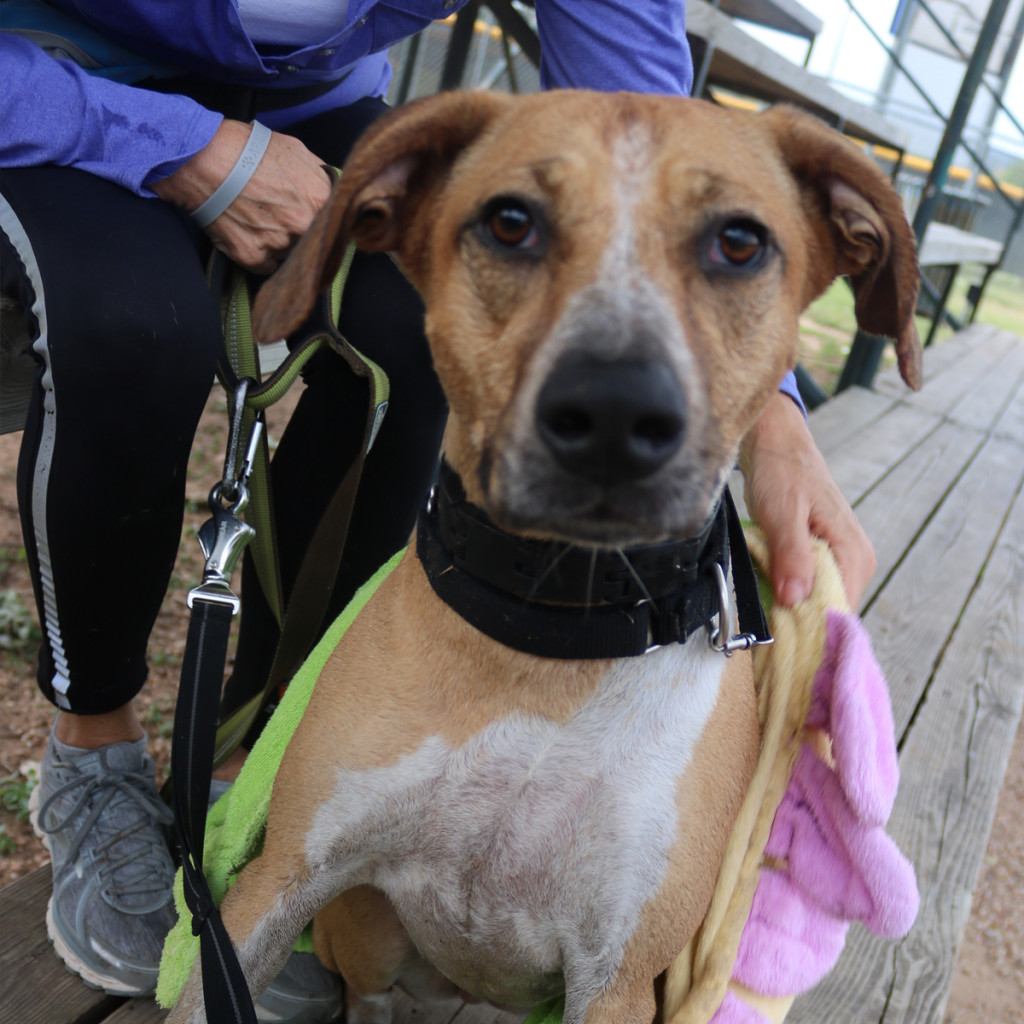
{"points": [[143, 856]]}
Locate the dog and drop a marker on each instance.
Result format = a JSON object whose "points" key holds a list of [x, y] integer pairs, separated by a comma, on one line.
{"points": [[612, 285]]}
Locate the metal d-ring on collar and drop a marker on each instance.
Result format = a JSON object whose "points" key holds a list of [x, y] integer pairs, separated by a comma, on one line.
{"points": [[737, 641]]}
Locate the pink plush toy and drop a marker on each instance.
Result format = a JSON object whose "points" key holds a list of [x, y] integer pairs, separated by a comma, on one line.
{"points": [[828, 860]]}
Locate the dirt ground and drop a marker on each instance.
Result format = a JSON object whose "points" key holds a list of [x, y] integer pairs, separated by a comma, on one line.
{"points": [[989, 985]]}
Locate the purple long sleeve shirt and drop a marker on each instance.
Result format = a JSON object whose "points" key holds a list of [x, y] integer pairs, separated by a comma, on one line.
{"points": [[52, 111]]}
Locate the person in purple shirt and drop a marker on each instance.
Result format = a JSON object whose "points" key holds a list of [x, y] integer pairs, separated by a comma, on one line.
{"points": [[118, 122]]}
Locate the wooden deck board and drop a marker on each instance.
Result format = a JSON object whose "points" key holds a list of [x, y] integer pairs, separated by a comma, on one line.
{"points": [[959, 380], [937, 358], [937, 479], [835, 423], [137, 1011], [953, 758], [894, 512], [912, 618], [35, 987], [870, 455], [983, 405], [1011, 420]]}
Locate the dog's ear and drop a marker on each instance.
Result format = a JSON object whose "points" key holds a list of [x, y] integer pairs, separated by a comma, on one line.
{"points": [[866, 230], [400, 161]]}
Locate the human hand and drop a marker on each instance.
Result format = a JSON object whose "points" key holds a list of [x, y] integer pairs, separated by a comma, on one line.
{"points": [[276, 206], [792, 496]]}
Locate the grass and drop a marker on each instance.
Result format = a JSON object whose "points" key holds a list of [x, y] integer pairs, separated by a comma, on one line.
{"points": [[828, 326], [15, 789], [11, 556], [159, 716], [18, 629], [1003, 303]]}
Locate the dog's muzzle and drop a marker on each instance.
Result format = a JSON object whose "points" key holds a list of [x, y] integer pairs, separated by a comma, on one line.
{"points": [[611, 421]]}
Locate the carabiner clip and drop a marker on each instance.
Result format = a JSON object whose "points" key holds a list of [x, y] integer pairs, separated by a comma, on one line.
{"points": [[233, 484], [224, 536]]}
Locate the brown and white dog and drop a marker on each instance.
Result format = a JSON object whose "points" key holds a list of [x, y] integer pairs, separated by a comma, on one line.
{"points": [[612, 285]]}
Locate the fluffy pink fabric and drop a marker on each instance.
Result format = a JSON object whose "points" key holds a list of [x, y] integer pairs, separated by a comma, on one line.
{"points": [[840, 864], [850, 701]]}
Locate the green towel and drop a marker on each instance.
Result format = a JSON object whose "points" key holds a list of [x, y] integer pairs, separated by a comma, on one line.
{"points": [[235, 825], [548, 1013]]}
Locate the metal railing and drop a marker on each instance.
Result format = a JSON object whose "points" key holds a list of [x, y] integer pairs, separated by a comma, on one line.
{"points": [[866, 351]]}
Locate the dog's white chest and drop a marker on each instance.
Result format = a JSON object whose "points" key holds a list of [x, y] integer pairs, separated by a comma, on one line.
{"points": [[535, 837]]}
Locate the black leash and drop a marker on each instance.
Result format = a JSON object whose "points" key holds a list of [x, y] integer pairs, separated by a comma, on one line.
{"points": [[223, 538], [225, 992]]}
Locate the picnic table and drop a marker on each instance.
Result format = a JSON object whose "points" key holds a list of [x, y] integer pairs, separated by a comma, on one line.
{"points": [[937, 478]]}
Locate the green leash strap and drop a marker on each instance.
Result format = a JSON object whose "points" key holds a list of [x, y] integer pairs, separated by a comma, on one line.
{"points": [[301, 619], [242, 362]]}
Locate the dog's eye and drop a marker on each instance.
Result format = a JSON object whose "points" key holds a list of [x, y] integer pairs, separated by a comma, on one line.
{"points": [[740, 243], [510, 224]]}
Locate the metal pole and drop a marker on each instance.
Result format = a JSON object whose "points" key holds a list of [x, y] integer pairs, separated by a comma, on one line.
{"points": [[895, 57], [866, 352], [939, 172], [409, 62], [458, 46], [976, 293], [1002, 80]]}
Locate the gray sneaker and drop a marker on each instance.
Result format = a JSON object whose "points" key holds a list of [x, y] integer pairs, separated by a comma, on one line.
{"points": [[304, 992], [99, 815]]}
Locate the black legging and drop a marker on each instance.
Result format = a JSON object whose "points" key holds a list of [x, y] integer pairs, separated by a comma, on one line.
{"points": [[130, 336]]}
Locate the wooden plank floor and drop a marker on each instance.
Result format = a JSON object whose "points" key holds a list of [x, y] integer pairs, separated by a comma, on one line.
{"points": [[936, 477]]}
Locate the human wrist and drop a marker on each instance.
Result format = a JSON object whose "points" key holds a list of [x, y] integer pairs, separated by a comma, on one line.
{"points": [[237, 178], [773, 429], [195, 181]]}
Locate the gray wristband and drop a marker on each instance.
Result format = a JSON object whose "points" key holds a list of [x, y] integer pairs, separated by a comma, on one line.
{"points": [[238, 177]]}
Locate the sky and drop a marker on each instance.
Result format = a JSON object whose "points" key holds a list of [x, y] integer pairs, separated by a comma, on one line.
{"points": [[845, 52]]}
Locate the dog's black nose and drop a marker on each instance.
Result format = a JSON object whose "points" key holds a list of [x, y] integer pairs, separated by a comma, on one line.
{"points": [[611, 421]]}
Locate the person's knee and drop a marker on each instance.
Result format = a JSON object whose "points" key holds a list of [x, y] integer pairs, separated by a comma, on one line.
{"points": [[151, 319], [117, 280]]}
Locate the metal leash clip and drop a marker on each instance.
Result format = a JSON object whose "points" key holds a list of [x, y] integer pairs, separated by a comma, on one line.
{"points": [[737, 641], [224, 537]]}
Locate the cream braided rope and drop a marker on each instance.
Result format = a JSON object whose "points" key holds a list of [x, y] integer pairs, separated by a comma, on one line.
{"points": [[698, 980]]}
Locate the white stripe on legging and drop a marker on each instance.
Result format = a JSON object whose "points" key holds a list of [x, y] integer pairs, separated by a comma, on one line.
{"points": [[12, 227]]}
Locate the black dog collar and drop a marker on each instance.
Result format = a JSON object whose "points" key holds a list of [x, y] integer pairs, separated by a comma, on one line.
{"points": [[559, 600]]}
